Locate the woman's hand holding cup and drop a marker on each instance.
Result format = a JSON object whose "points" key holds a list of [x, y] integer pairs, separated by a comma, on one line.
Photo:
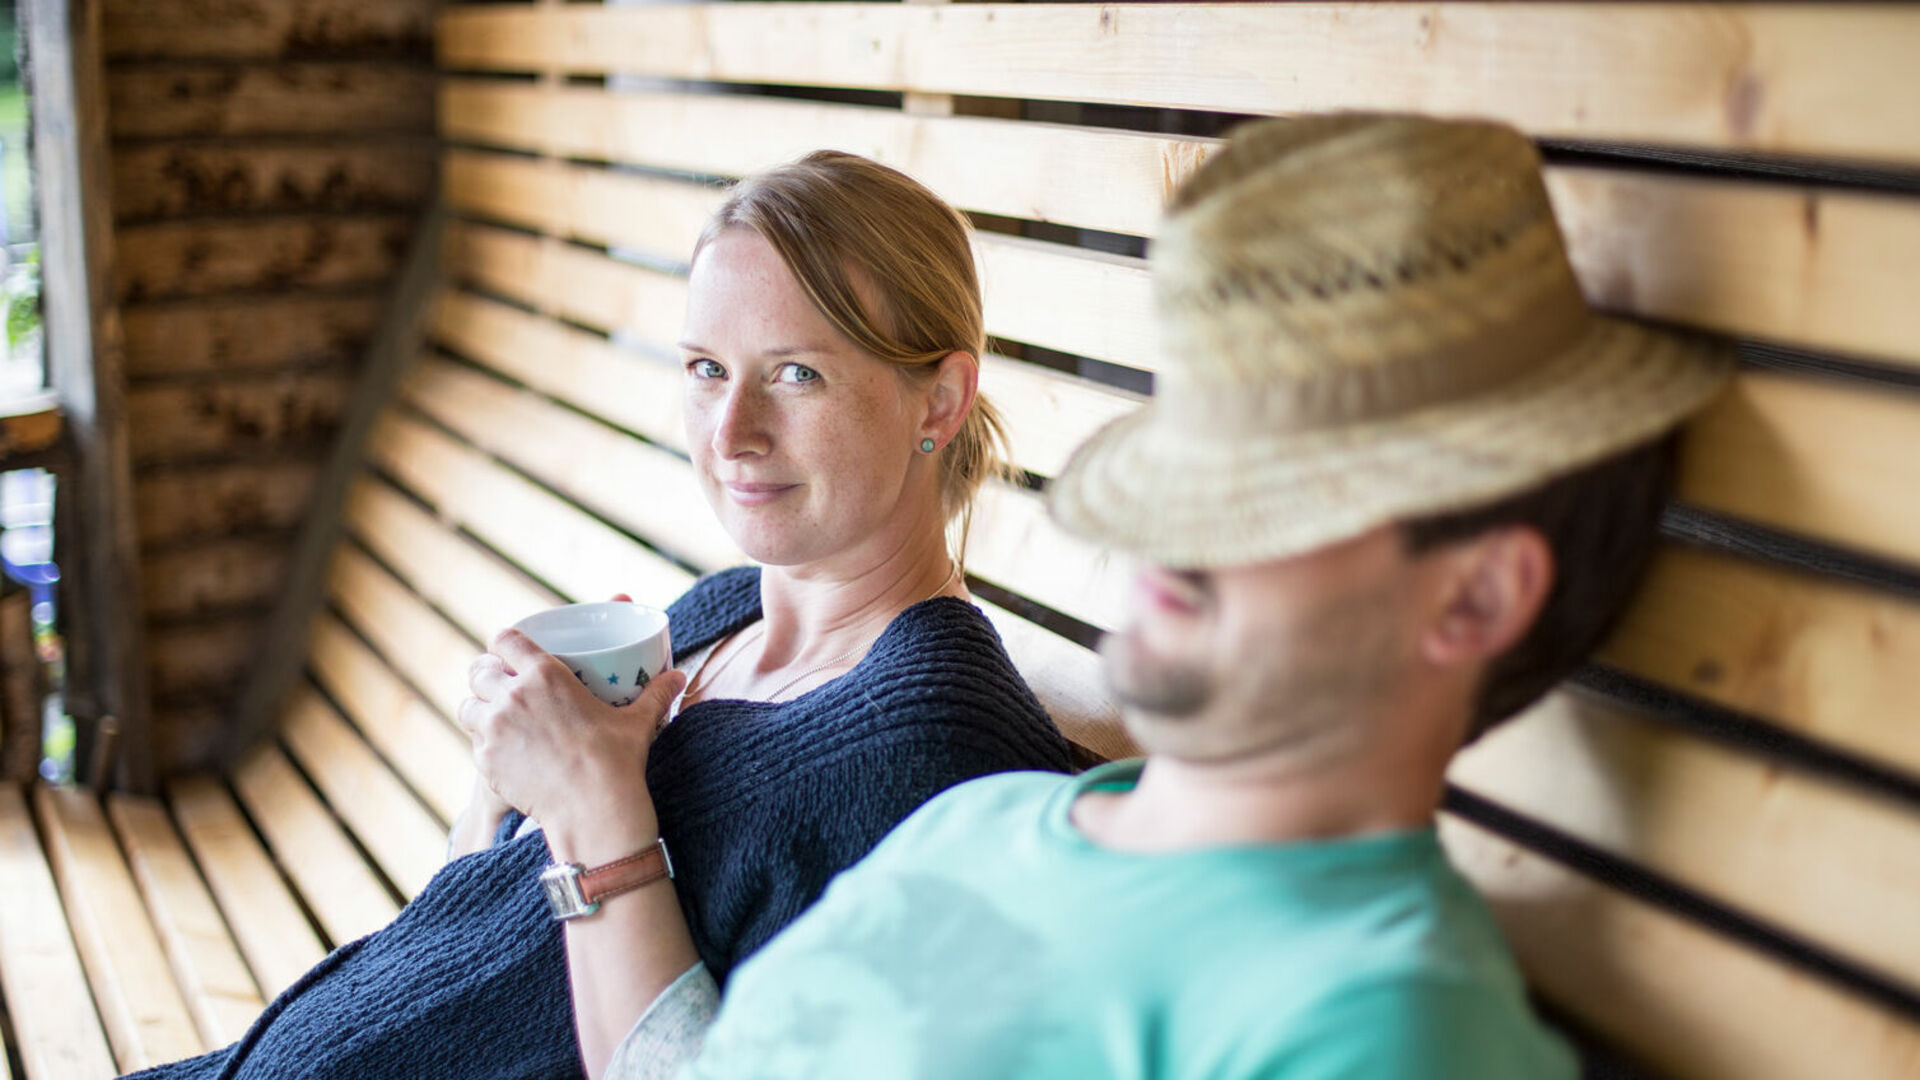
{"points": [[547, 739]]}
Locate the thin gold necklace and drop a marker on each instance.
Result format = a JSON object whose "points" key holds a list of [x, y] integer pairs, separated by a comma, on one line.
{"points": [[814, 670]]}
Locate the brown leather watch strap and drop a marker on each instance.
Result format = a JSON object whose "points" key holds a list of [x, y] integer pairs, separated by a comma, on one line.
{"points": [[626, 875]]}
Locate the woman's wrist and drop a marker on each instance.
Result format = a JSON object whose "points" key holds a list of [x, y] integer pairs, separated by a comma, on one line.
{"points": [[600, 835]]}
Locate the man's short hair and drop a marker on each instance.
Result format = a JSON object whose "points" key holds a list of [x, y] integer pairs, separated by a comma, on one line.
{"points": [[1601, 523]]}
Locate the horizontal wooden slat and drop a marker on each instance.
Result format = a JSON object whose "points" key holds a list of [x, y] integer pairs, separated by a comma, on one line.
{"points": [[183, 179], [1049, 414], [266, 29], [637, 392], [214, 575], [179, 504], [198, 258], [377, 513], [976, 164], [1837, 662], [1823, 861], [219, 990], [236, 417], [1837, 461], [309, 846], [1017, 546], [224, 334], [282, 98], [657, 215], [404, 839], [577, 554], [1064, 298], [1687, 1001], [1806, 266], [145, 1016], [1793, 78], [416, 641], [203, 657], [58, 1032], [631, 483], [423, 746], [273, 934], [1068, 681]]}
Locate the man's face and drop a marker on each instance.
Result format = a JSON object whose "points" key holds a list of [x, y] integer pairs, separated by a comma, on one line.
{"points": [[1228, 662]]}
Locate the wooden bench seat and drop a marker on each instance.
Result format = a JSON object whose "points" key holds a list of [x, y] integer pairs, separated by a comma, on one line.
{"points": [[1705, 852]]}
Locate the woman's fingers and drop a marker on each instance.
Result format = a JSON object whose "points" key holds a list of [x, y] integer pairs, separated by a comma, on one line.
{"points": [[652, 704], [487, 676]]}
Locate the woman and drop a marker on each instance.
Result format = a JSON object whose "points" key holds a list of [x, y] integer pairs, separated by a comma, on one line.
{"points": [[831, 343]]}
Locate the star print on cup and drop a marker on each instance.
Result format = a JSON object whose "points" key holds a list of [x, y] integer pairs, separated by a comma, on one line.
{"points": [[601, 643]]}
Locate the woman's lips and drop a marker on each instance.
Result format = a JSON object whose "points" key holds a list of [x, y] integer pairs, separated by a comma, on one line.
{"points": [[756, 494]]}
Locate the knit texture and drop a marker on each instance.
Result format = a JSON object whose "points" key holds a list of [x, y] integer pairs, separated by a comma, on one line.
{"points": [[761, 803]]}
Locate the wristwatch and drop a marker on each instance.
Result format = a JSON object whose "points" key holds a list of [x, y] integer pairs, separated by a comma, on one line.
{"points": [[574, 891]]}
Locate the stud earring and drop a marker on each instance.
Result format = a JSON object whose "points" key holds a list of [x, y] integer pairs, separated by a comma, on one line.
{"points": [[926, 446]]}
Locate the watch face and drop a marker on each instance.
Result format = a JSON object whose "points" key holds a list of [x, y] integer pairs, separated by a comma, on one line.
{"points": [[564, 896]]}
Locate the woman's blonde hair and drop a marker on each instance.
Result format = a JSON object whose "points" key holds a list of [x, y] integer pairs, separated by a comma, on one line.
{"points": [[843, 223]]}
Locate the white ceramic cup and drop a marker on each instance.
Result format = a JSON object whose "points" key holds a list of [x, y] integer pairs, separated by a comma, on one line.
{"points": [[614, 647]]}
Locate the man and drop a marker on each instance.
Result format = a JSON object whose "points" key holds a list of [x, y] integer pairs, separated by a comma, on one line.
{"points": [[1396, 483]]}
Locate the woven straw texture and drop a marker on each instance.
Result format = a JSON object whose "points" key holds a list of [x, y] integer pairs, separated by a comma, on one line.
{"points": [[1369, 319]]}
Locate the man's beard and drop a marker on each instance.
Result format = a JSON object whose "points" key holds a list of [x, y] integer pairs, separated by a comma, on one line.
{"points": [[1153, 684]]}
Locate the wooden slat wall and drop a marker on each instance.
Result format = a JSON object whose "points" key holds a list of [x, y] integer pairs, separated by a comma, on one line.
{"points": [[1705, 851], [268, 160]]}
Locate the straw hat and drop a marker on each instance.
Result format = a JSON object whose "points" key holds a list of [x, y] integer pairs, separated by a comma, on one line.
{"points": [[1368, 319]]}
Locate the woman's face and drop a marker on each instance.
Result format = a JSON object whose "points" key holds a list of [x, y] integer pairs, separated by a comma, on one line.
{"points": [[803, 443]]}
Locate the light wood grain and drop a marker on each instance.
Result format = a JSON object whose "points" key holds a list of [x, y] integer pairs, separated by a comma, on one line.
{"points": [[1675, 994], [975, 163], [173, 259], [48, 1001], [145, 1016], [417, 642], [273, 934], [1819, 859], [627, 387], [386, 817], [1837, 662], [627, 481], [1832, 460], [308, 845], [284, 98], [423, 746], [1796, 264], [1798, 78], [218, 987], [397, 530], [577, 554]]}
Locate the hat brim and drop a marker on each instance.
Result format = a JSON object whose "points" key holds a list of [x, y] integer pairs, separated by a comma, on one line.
{"points": [[1180, 497]]}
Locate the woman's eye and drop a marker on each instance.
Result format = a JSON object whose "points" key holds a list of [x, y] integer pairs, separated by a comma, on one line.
{"points": [[797, 373], [706, 369]]}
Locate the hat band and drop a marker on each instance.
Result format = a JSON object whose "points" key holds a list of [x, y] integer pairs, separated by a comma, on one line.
{"points": [[1357, 393]]}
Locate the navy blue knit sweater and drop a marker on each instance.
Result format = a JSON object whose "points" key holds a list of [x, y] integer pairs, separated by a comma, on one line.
{"points": [[760, 803]]}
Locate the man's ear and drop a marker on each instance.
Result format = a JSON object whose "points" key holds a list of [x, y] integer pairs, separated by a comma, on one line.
{"points": [[956, 380], [1493, 589]]}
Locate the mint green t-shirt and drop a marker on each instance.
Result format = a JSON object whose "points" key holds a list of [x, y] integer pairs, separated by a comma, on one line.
{"points": [[987, 938]]}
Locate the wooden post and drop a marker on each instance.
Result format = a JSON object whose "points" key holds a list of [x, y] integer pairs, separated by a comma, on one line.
{"points": [[401, 333], [107, 660]]}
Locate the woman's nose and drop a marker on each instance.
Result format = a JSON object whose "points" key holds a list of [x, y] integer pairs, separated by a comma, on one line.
{"points": [[740, 428]]}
